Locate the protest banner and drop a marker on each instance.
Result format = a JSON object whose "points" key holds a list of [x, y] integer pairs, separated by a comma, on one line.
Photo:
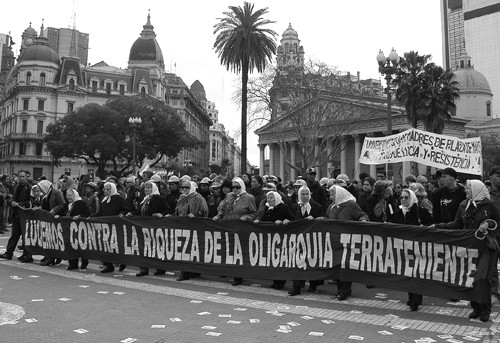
{"points": [[446, 263], [427, 148]]}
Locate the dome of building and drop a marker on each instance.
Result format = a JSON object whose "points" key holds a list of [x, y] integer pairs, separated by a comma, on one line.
{"points": [[198, 90], [30, 31], [469, 79], [40, 51], [146, 48], [290, 33]]}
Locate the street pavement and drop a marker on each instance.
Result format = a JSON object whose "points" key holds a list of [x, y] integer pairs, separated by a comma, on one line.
{"points": [[51, 304]]}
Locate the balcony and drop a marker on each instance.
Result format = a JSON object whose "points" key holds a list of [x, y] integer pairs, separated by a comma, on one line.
{"points": [[25, 136], [28, 159]]}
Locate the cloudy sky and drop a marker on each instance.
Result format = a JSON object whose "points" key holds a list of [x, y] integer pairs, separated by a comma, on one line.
{"points": [[343, 34]]}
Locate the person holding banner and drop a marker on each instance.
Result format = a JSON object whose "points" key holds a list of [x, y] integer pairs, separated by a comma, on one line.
{"points": [[75, 208], [344, 207], [410, 213], [276, 211], [305, 208], [237, 204], [448, 197], [476, 212]]}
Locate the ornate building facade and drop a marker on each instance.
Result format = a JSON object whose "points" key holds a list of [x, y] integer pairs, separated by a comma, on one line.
{"points": [[367, 118], [43, 87]]}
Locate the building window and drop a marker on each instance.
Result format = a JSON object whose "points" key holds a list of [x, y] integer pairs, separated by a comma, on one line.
{"points": [[22, 148], [94, 86], [488, 109], [38, 149], [24, 126], [41, 105], [28, 79], [108, 88], [37, 173], [39, 127], [70, 107], [72, 85], [42, 79], [122, 89], [26, 104], [143, 92]]}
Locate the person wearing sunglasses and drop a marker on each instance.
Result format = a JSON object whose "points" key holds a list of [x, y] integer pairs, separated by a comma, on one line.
{"points": [[410, 213], [237, 204]]}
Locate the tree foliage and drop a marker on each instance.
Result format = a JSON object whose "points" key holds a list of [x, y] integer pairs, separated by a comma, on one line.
{"points": [[491, 151], [244, 44], [427, 91], [102, 136]]}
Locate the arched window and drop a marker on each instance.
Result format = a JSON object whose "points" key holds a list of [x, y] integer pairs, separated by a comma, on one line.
{"points": [[488, 109], [28, 79], [143, 92], [71, 84], [42, 79]]}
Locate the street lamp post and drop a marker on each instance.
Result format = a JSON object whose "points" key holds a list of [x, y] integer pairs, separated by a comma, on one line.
{"points": [[135, 123], [388, 66]]}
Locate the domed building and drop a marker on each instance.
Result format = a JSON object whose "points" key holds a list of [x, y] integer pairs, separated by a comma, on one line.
{"points": [[290, 54]]}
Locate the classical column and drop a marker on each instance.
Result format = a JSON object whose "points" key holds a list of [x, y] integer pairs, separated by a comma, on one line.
{"points": [[293, 172], [271, 159], [357, 152], [282, 162], [343, 156], [262, 148], [329, 164], [373, 171], [406, 169], [316, 158]]}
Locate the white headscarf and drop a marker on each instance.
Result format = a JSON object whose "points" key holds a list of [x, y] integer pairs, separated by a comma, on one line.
{"points": [[479, 192], [242, 184], [77, 197], [45, 186], [154, 190], [305, 207], [413, 200], [113, 192], [277, 199], [341, 195], [193, 187]]}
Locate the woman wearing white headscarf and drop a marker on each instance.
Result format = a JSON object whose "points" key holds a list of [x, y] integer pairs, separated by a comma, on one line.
{"points": [[237, 204], [344, 207], [112, 204], [51, 198], [476, 212], [190, 204], [75, 208], [305, 208], [277, 212], [410, 213]]}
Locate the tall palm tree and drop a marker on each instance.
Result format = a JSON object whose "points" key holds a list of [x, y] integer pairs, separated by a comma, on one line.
{"points": [[243, 44]]}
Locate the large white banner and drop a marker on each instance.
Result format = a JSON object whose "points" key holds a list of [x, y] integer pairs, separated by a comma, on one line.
{"points": [[440, 151]]}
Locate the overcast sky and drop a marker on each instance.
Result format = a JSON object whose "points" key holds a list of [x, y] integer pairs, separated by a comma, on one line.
{"points": [[343, 34]]}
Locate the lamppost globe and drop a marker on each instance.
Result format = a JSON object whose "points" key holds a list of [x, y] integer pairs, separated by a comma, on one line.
{"points": [[381, 58]]}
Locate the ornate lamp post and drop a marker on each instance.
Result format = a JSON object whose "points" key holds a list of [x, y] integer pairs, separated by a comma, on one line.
{"points": [[388, 66], [135, 123]]}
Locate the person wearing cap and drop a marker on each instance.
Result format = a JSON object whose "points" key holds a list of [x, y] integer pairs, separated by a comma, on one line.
{"points": [[173, 193], [214, 198], [134, 195], [495, 185], [237, 205], [318, 193], [448, 197], [477, 212], [89, 196], [204, 188]]}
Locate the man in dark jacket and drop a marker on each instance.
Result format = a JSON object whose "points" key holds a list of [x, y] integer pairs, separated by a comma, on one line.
{"points": [[21, 194], [448, 197], [173, 193], [318, 193]]}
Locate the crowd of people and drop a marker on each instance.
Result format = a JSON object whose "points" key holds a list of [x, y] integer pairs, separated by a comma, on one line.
{"points": [[443, 202]]}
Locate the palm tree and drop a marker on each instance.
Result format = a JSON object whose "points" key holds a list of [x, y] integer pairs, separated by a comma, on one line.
{"points": [[243, 44]]}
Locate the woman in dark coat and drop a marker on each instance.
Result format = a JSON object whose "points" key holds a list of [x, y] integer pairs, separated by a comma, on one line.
{"points": [[153, 205], [305, 208], [476, 212], [344, 207], [379, 203], [75, 208], [410, 213], [277, 212]]}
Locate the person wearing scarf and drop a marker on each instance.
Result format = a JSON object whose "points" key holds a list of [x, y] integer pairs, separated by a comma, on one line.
{"points": [[35, 201], [305, 208], [379, 203], [74, 208], [344, 207], [410, 213], [68, 183], [237, 204], [112, 204], [477, 211], [51, 198], [190, 204], [277, 212]]}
